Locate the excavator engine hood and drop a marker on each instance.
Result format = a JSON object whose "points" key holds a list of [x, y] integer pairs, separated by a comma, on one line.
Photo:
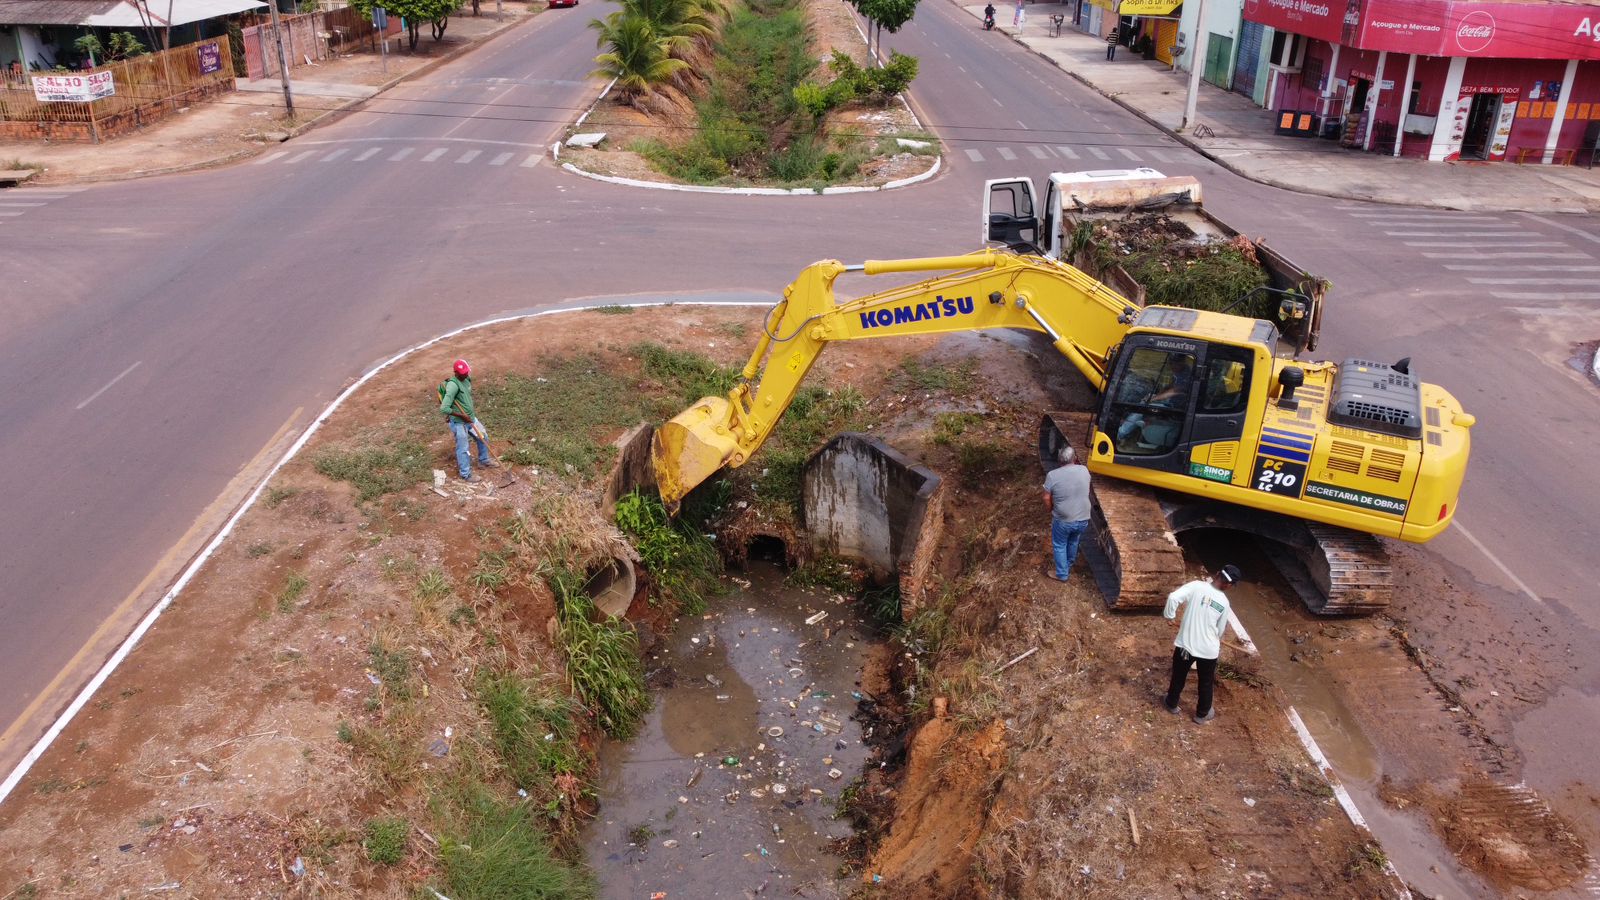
{"points": [[692, 446]]}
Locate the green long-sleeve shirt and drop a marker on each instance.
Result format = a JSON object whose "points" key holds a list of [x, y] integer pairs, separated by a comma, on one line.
{"points": [[458, 393]]}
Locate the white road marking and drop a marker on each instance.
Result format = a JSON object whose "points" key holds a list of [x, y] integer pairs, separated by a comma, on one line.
{"points": [[1577, 231], [1130, 154], [469, 156], [8, 203], [108, 385], [997, 102], [960, 68], [1161, 156], [1462, 234], [1037, 153], [1519, 254], [433, 155], [272, 156], [1506, 570], [533, 160], [1465, 244], [402, 154], [8, 214], [1531, 281], [1531, 295], [1425, 216], [1051, 152], [300, 156], [368, 154], [1547, 313], [500, 159], [1097, 153], [1023, 125], [974, 155], [335, 154], [1006, 154], [1534, 267], [1068, 152]]}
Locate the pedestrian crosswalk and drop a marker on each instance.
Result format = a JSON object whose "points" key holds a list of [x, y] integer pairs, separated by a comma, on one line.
{"points": [[1084, 152], [16, 203], [419, 152], [1507, 256]]}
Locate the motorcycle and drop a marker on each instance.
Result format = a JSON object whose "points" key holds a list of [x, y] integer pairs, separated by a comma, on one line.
{"points": [[988, 21]]}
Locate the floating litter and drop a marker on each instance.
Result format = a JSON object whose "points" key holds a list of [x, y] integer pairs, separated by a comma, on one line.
{"points": [[775, 731]]}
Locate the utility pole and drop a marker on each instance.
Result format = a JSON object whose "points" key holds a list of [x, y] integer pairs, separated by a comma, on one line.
{"points": [[283, 61], [1195, 62]]}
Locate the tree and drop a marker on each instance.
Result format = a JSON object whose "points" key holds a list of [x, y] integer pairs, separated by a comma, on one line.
{"points": [[638, 58], [415, 12], [890, 14]]}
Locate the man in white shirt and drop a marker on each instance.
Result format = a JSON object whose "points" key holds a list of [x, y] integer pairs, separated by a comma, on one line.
{"points": [[1199, 641], [1066, 495]]}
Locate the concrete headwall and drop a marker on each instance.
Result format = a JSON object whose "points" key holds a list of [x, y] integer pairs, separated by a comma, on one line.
{"points": [[865, 502]]}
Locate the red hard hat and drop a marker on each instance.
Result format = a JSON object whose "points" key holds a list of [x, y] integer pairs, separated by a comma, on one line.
{"points": [[462, 368]]}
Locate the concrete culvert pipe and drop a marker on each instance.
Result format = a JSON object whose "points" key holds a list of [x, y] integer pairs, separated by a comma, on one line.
{"points": [[611, 586]]}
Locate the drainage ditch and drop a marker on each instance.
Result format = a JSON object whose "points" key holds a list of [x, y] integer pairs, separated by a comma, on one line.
{"points": [[730, 786]]}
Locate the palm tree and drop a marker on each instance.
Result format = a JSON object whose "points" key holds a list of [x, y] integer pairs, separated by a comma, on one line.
{"points": [[638, 58]]}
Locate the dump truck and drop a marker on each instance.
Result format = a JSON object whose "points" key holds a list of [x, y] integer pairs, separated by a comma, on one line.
{"points": [[1084, 217], [1203, 420]]}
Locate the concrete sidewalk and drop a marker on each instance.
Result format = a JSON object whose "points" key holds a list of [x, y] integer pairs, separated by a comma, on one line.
{"points": [[1242, 138], [310, 88]]}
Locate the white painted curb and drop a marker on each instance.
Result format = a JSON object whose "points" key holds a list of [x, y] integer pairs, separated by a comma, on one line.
{"points": [[1339, 793], [1595, 368], [144, 625]]}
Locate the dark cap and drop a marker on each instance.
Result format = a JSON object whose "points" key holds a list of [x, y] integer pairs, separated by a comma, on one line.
{"points": [[1230, 574]]}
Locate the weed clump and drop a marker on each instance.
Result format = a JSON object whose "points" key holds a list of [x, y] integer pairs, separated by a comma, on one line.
{"points": [[602, 658], [535, 734], [386, 840], [683, 562], [495, 849], [376, 471]]}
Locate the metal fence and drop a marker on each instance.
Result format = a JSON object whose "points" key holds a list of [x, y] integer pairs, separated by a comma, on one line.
{"points": [[148, 88]]}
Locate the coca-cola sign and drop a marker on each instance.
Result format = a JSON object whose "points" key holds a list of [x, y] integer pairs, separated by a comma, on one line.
{"points": [[1475, 32]]}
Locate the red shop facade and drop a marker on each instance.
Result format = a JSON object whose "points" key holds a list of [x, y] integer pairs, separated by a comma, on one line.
{"points": [[1439, 79]]}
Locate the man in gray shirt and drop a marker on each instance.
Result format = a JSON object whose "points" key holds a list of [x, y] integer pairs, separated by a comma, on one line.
{"points": [[1066, 495]]}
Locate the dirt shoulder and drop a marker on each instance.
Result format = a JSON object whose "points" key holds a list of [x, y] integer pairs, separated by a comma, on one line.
{"points": [[235, 125]]}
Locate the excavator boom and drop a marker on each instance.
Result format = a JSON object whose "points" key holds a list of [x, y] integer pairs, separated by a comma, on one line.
{"points": [[988, 289]]}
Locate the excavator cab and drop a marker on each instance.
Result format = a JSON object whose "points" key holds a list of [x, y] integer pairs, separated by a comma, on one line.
{"points": [[1173, 402], [1008, 212]]}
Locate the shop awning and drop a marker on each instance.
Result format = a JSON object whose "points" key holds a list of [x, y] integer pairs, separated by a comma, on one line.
{"points": [[1486, 28], [1149, 7]]}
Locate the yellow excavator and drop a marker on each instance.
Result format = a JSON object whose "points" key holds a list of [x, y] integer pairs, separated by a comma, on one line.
{"points": [[1199, 423]]}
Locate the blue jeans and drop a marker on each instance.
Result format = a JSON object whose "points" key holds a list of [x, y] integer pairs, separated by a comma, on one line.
{"points": [[463, 431], [1064, 537]]}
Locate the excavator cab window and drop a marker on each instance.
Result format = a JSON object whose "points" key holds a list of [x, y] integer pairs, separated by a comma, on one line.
{"points": [[1150, 401], [1227, 380], [1008, 212]]}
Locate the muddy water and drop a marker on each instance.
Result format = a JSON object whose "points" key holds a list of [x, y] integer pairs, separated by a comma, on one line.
{"points": [[1270, 612], [751, 681]]}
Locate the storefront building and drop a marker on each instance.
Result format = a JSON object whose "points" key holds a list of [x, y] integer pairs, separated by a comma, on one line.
{"points": [[1437, 79]]}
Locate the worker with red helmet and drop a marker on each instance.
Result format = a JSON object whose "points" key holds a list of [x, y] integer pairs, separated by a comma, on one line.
{"points": [[455, 401]]}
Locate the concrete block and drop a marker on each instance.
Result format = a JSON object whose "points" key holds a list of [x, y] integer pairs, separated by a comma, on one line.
{"points": [[864, 501], [589, 139]]}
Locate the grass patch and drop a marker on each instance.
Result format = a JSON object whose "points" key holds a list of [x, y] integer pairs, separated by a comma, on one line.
{"points": [[687, 376], [393, 668], [276, 495], [433, 585], [495, 849], [386, 840], [293, 587], [535, 734], [614, 310], [955, 376], [256, 551], [683, 561], [602, 658], [377, 471], [948, 426], [557, 420], [827, 572], [17, 164]]}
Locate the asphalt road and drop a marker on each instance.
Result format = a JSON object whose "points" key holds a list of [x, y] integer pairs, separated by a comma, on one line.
{"points": [[161, 339]]}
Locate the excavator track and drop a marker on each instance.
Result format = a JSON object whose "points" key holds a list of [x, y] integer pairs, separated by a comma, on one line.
{"points": [[1136, 560], [1340, 573]]}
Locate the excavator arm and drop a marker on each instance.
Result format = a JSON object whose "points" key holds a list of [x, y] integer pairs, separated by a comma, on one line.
{"points": [[1083, 318]]}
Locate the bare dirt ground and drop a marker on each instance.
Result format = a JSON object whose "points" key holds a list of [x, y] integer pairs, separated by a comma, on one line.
{"points": [[234, 123], [253, 738], [669, 115]]}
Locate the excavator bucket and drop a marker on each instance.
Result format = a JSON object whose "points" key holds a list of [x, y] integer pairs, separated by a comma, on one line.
{"points": [[692, 447]]}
